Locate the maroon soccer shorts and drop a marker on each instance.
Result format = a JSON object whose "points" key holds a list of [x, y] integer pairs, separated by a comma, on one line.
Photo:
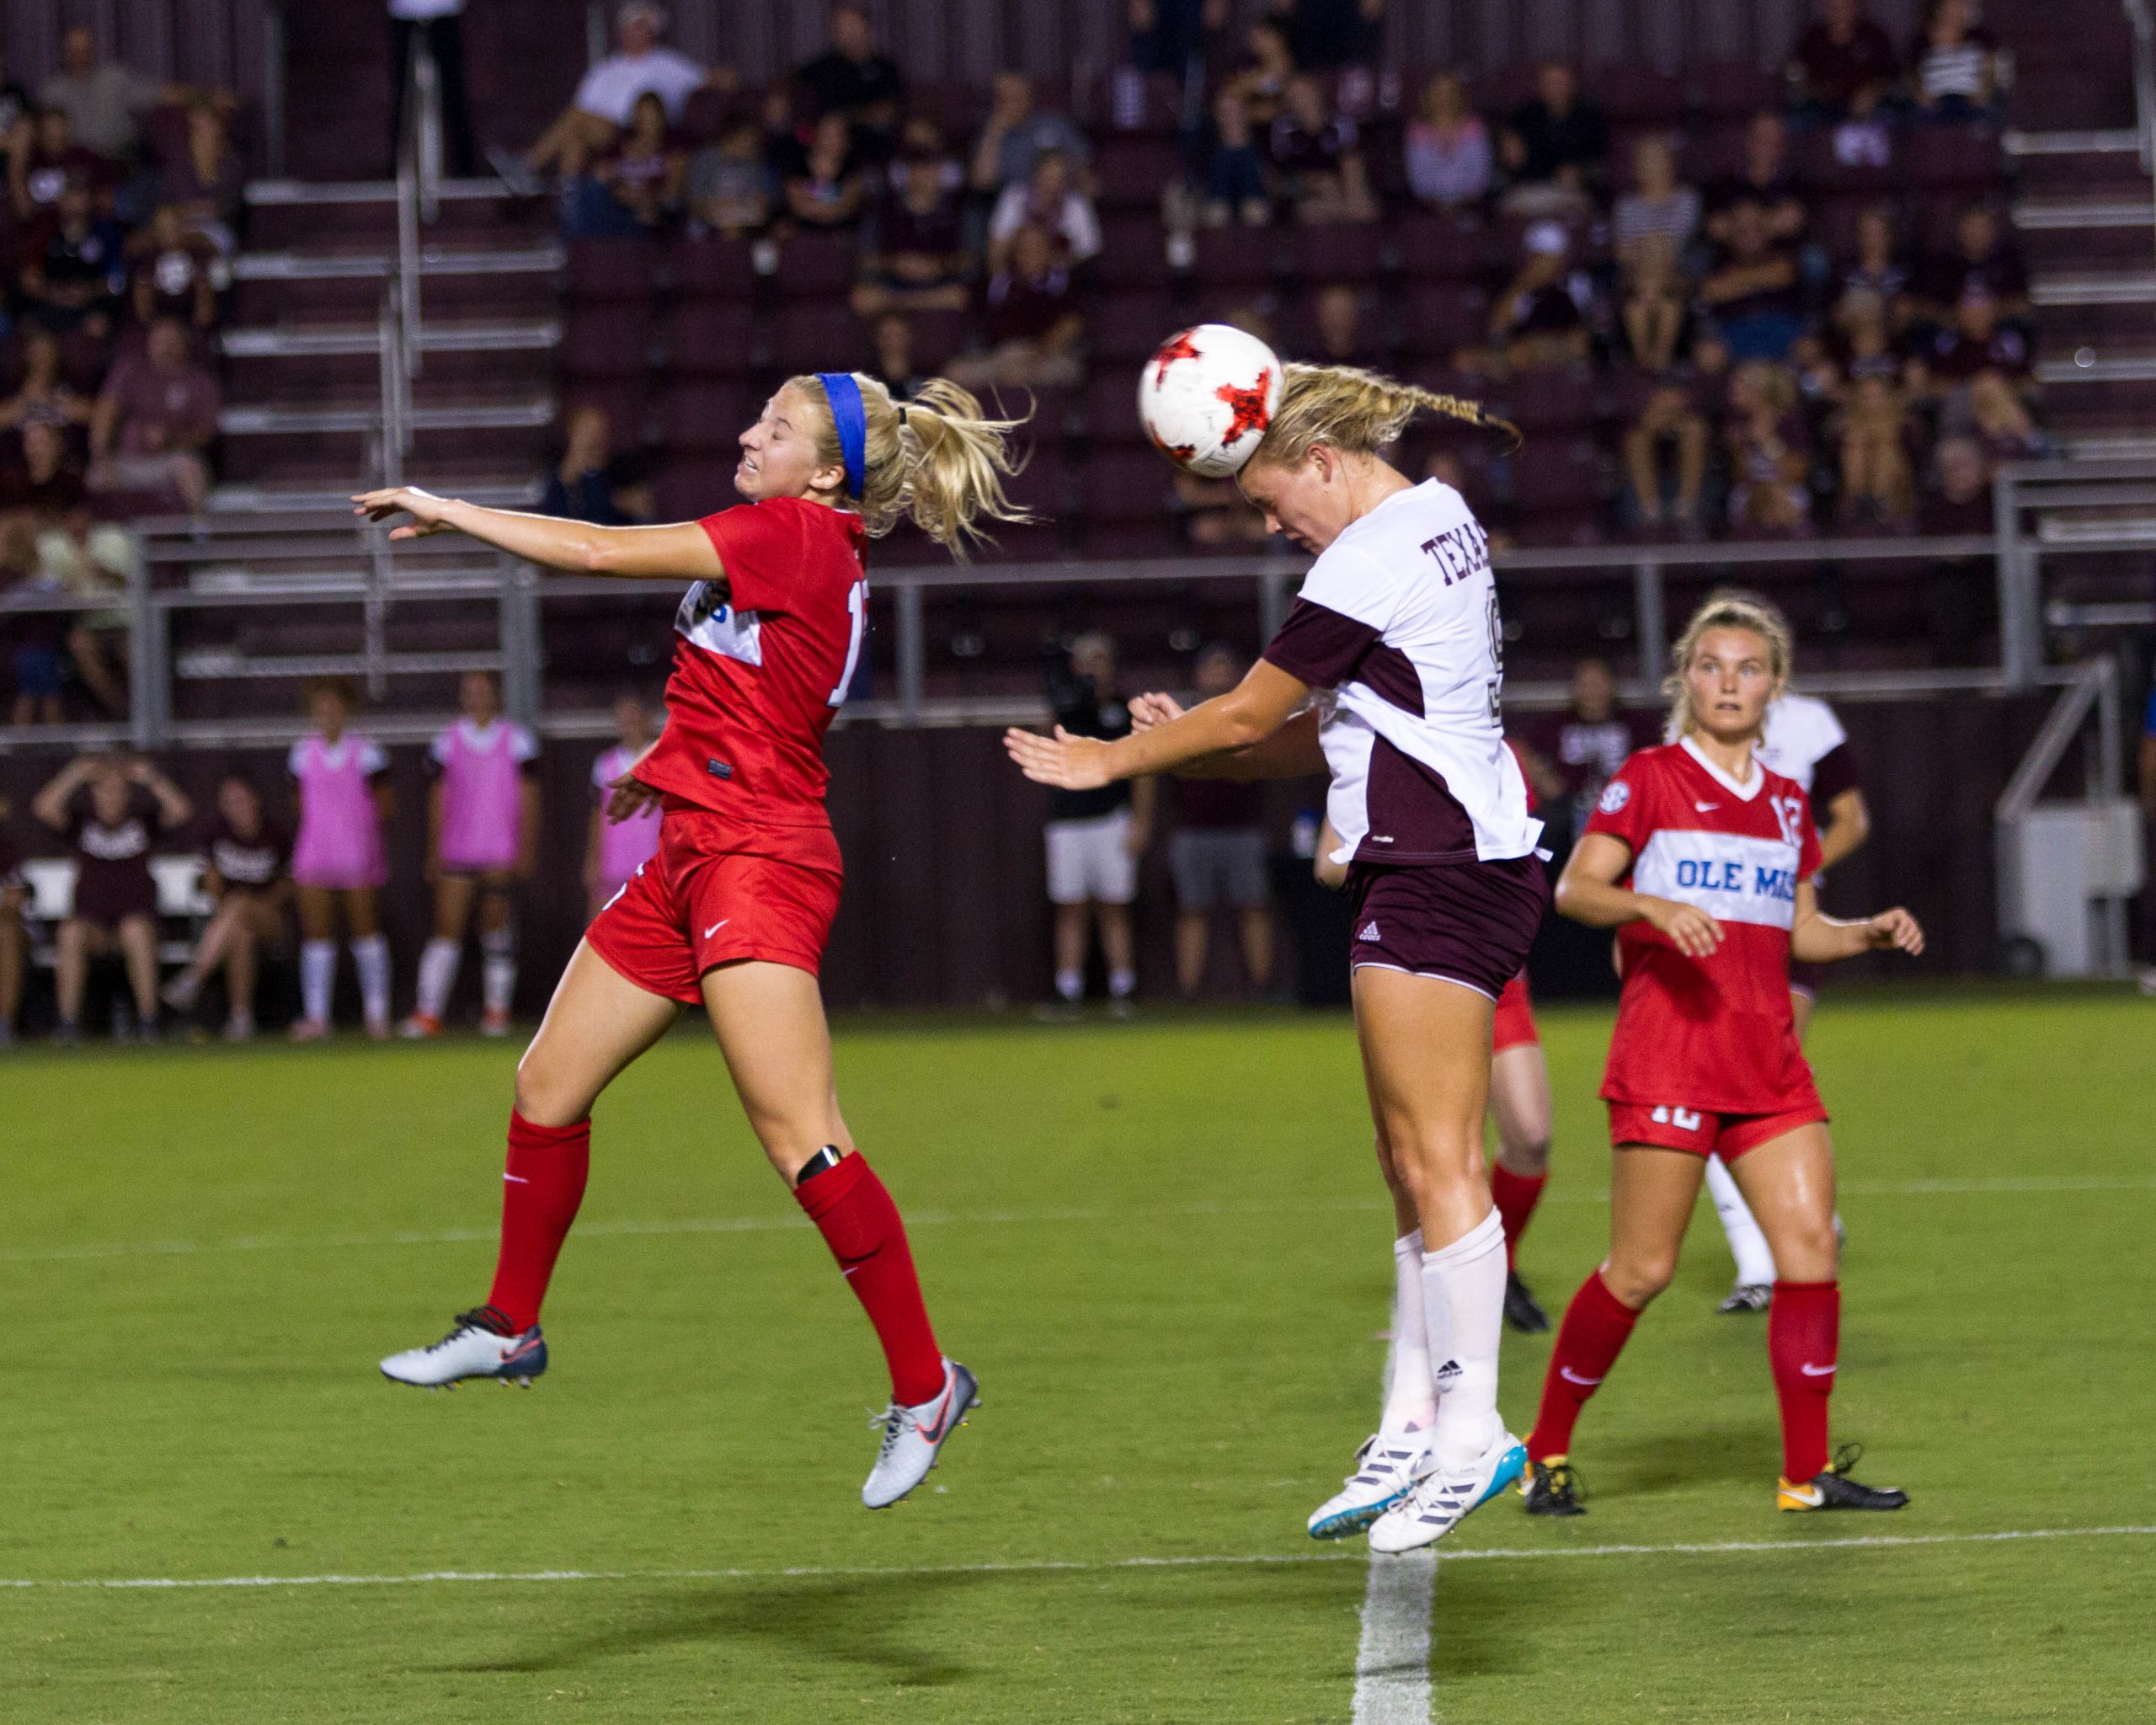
{"points": [[1466, 922]]}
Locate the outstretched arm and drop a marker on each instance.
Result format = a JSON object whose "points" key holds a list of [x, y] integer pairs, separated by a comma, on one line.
{"points": [[1816, 938], [682, 552], [1247, 714], [1292, 751]]}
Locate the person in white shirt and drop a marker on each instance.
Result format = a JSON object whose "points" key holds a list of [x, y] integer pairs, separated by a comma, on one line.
{"points": [[441, 24], [1049, 198], [600, 110]]}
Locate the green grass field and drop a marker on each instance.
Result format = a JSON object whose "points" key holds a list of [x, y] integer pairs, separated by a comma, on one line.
{"points": [[1163, 1247]]}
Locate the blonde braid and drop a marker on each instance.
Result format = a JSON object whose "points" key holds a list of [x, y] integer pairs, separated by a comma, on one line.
{"points": [[1357, 411]]}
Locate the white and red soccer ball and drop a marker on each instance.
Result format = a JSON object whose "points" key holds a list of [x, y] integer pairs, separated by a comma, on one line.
{"points": [[1206, 397]]}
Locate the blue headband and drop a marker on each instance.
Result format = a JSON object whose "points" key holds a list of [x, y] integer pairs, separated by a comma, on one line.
{"points": [[851, 419]]}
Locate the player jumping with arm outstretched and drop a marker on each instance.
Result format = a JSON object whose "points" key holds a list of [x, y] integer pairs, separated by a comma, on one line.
{"points": [[733, 913]]}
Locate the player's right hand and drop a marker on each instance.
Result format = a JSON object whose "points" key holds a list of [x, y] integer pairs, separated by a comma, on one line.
{"points": [[424, 508], [1147, 711], [1690, 930]]}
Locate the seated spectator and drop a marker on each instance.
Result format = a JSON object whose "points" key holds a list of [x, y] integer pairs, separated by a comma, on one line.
{"points": [[828, 194], [591, 482], [47, 500], [207, 180], [105, 101], [915, 258], [1960, 501], [1554, 146], [155, 420], [112, 808], [1049, 199], [46, 161], [1843, 63], [1874, 282], [607, 97], [37, 640], [1540, 318], [850, 80], [1767, 178], [1958, 591], [730, 189], [1263, 71], [45, 394], [1991, 409], [169, 272], [1983, 260], [1954, 66], [1030, 317], [249, 879], [1659, 207], [1340, 332], [1769, 460], [643, 171], [1665, 457], [1237, 187], [1878, 481], [72, 275], [15, 109], [1975, 342], [1649, 230], [894, 365], [1317, 165], [1017, 134], [1448, 147], [1751, 295]]}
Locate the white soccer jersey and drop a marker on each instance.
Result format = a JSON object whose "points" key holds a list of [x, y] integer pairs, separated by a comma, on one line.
{"points": [[1801, 732], [1397, 622]]}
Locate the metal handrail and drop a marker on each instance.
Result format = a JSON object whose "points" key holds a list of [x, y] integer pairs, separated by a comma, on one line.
{"points": [[2139, 17]]}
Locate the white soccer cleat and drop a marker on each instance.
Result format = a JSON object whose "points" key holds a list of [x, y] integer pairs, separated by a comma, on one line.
{"points": [[1442, 1500], [1386, 1469], [914, 1437], [473, 1349]]}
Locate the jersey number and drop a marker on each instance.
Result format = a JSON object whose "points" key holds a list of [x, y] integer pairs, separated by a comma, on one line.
{"points": [[1497, 659], [856, 605], [1788, 815]]}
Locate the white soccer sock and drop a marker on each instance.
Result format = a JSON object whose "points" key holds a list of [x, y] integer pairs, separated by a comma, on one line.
{"points": [[498, 949], [1071, 985], [1410, 1399], [1747, 1245], [1463, 1310], [317, 970], [370, 955], [1121, 984], [437, 975]]}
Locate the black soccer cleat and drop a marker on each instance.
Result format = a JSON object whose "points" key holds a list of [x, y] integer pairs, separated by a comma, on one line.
{"points": [[1522, 1310], [1552, 1488], [1835, 1490], [1748, 1296]]}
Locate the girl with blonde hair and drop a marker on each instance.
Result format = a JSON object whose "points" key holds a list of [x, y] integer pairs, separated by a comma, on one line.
{"points": [[733, 913], [1396, 635]]}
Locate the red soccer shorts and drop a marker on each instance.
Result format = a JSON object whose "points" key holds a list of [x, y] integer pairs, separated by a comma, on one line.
{"points": [[1515, 1021], [1727, 1135], [692, 909]]}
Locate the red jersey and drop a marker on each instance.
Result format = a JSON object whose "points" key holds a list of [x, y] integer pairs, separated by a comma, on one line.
{"points": [[1713, 1033], [762, 664]]}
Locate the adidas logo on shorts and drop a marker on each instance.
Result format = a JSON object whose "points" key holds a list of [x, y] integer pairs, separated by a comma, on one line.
{"points": [[1369, 930]]}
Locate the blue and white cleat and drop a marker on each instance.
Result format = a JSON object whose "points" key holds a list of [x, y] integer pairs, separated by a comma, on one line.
{"points": [[1386, 1469], [478, 1347], [1441, 1501], [914, 1437]]}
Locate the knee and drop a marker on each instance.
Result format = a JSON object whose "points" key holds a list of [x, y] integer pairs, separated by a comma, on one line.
{"points": [[1807, 1251], [1636, 1279], [543, 1097], [1530, 1158]]}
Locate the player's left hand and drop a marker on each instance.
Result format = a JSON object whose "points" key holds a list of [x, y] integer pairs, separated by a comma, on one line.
{"points": [[628, 797], [1147, 711], [1067, 763], [425, 509], [1894, 930]]}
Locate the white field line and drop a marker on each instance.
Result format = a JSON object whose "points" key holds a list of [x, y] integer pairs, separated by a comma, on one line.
{"points": [[1033, 1565], [777, 1222], [1392, 1662]]}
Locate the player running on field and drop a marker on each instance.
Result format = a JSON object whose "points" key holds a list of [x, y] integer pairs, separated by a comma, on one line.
{"points": [[1397, 628], [1702, 859], [734, 911]]}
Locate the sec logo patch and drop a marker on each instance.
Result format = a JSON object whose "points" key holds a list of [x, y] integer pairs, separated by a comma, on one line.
{"points": [[1615, 796]]}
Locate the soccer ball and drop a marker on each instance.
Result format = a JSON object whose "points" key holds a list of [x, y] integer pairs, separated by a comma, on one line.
{"points": [[1207, 395]]}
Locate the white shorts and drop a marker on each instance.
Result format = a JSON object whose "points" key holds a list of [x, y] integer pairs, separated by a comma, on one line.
{"points": [[1092, 860]]}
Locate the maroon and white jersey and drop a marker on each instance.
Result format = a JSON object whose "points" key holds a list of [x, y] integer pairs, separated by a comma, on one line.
{"points": [[1397, 623], [1714, 1034], [1803, 740]]}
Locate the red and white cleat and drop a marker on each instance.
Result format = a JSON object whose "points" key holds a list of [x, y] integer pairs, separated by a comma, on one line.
{"points": [[494, 1023], [420, 1026]]}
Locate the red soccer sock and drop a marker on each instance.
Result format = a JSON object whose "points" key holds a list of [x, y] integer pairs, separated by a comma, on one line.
{"points": [[542, 1188], [1804, 1327], [861, 1224], [1515, 1196], [1588, 1341]]}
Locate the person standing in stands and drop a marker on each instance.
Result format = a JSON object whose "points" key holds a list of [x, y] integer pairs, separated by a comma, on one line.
{"points": [[440, 24], [1096, 836]]}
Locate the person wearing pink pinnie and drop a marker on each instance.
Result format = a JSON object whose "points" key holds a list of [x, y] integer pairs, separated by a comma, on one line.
{"points": [[483, 831], [339, 857], [614, 850]]}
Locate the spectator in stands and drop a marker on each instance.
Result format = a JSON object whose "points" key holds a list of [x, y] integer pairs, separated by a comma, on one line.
{"points": [[14, 938], [1665, 457], [1540, 318], [112, 808], [1217, 854], [249, 879], [1843, 63], [1983, 260], [1316, 161], [1960, 502], [45, 161], [439, 24], [729, 187], [1585, 745], [206, 180], [1017, 134], [156, 417], [1878, 480], [607, 96], [1958, 591], [915, 257], [642, 171], [1237, 187], [589, 482], [1991, 409], [1030, 319], [1751, 294], [1767, 177], [893, 335], [44, 394], [1954, 66], [1874, 281], [1768, 457], [1341, 334], [855, 83], [15, 108], [1974, 344], [1168, 35], [169, 272], [1095, 837], [828, 194], [1650, 228], [1263, 72], [37, 640], [1554, 145], [72, 279], [1050, 200], [48, 500], [1448, 147], [105, 101]]}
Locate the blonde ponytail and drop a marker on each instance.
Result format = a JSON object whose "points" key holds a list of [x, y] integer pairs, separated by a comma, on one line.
{"points": [[1356, 411], [1725, 609], [936, 460]]}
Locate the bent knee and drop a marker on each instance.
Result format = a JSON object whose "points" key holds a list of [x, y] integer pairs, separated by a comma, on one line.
{"points": [[1635, 1281], [544, 1098], [1530, 1159]]}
